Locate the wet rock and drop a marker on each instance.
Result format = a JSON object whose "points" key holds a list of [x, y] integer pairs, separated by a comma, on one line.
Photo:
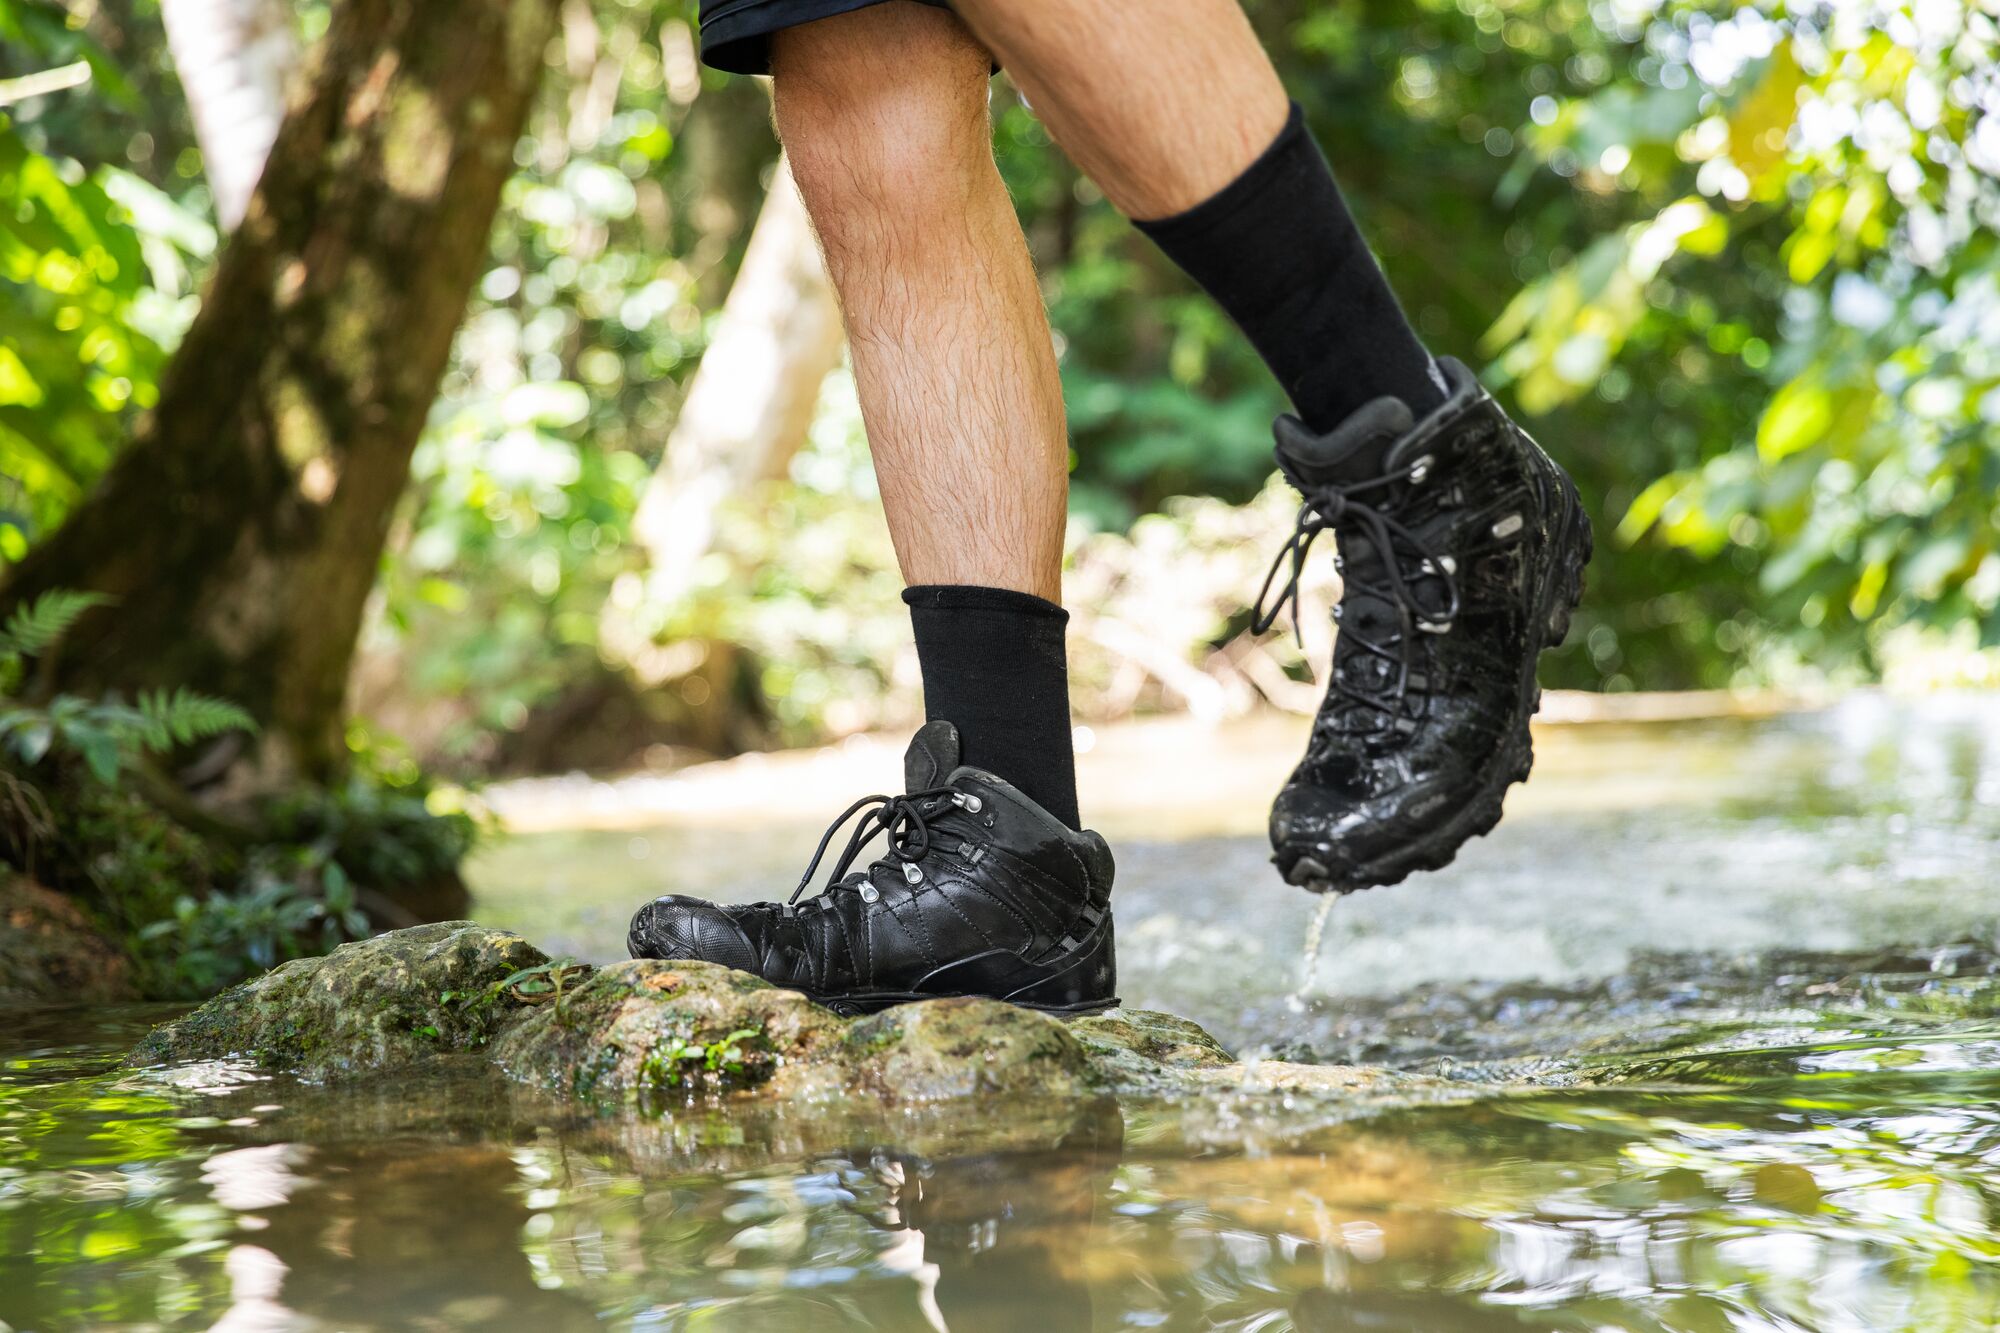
{"points": [[664, 1031], [51, 952], [654, 1034], [1137, 1048], [966, 1048], [397, 1001], [652, 1029]]}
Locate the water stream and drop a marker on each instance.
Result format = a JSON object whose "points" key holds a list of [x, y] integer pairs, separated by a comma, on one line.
{"points": [[1723, 999]]}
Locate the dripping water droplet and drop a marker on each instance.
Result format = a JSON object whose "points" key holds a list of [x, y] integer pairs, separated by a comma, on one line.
{"points": [[1309, 970]]}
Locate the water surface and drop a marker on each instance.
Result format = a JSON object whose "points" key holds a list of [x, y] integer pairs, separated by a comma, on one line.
{"points": [[1723, 1000]]}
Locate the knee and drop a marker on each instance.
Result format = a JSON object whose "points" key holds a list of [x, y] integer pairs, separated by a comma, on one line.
{"points": [[883, 110]]}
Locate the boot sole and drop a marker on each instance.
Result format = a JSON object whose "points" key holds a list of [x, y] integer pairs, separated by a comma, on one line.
{"points": [[1555, 604], [1048, 994], [874, 1002]]}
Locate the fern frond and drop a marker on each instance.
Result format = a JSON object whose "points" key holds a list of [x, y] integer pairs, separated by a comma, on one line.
{"points": [[36, 627], [182, 717]]}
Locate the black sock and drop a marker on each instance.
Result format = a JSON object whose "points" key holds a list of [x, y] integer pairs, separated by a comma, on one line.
{"points": [[1279, 252], [995, 667]]}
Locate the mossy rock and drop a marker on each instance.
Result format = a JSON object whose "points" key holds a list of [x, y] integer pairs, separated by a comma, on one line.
{"points": [[665, 1031], [396, 1001], [945, 1049], [653, 1034], [1134, 1048], [654, 1029]]}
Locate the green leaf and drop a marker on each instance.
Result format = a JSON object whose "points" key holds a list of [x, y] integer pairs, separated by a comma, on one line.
{"points": [[1646, 509], [36, 627], [182, 717], [101, 755], [1799, 417]]}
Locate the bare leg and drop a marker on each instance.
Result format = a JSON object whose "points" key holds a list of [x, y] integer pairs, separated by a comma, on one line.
{"points": [[1173, 108], [1161, 102], [884, 114]]}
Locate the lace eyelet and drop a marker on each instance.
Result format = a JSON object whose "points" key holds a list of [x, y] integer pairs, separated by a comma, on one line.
{"points": [[870, 894], [912, 873], [967, 802]]}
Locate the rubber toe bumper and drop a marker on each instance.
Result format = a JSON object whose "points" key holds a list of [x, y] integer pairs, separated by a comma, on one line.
{"points": [[678, 927]]}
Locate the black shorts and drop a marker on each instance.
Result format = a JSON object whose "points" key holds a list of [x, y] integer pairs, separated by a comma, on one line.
{"points": [[736, 34]]}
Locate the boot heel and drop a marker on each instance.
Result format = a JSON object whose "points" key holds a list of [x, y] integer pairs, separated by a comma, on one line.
{"points": [[1575, 556], [1087, 985]]}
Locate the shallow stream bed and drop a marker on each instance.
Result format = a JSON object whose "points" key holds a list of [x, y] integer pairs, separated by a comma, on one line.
{"points": [[1737, 978]]}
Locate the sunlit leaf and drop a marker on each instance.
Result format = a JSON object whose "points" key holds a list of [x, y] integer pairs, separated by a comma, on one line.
{"points": [[1798, 418]]}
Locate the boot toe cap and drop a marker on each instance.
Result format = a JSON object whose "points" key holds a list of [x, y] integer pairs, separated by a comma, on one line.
{"points": [[1325, 840], [678, 927]]}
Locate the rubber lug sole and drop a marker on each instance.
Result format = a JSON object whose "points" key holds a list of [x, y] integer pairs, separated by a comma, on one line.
{"points": [[874, 1002], [1561, 593]]}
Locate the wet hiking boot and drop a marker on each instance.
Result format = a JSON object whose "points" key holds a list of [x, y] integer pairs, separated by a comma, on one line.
{"points": [[981, 892], [1462, 558]]}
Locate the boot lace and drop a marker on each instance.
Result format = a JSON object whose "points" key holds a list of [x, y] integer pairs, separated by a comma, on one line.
{"points": [[1328, 504], [904, 818]]}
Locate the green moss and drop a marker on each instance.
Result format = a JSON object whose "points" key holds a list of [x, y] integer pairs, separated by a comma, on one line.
{"points": [[653, 1036], [593, 1070], [369, 1005], [872, 1036]]}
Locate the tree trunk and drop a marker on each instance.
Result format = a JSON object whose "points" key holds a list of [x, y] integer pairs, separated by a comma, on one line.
{"points": [[234, 58], [241, 528], [749, 406]]}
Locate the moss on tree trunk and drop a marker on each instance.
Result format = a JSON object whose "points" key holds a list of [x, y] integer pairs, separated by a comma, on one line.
{"points": [[241, 528]]}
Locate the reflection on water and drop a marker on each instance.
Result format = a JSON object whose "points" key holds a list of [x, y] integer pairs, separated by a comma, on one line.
{"points": [[1844, 1177], [1801, 1132]]}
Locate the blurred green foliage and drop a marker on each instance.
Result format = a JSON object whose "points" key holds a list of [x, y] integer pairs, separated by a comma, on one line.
{"points": [[97, 269], [1735, 266], [108, 735], [1802, 204], [200, 902]]}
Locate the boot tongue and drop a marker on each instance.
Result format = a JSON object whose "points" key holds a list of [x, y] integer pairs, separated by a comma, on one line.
{"points": [[932, 756], [1351, 452]]}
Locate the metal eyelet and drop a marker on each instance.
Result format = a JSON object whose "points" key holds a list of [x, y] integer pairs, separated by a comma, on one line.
{"points": [[1420, 470], [912, 872], [967, 802], [1434, 626], [1508, 526], [870, 894]]}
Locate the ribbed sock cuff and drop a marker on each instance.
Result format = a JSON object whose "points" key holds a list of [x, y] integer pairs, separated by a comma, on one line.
{"points": [[972, 597], [1250, 186], [995, 667], [1280, 252]]}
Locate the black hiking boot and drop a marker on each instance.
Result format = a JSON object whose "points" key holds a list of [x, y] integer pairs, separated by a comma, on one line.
{"points": [[981, 892], [1462, 558]]}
